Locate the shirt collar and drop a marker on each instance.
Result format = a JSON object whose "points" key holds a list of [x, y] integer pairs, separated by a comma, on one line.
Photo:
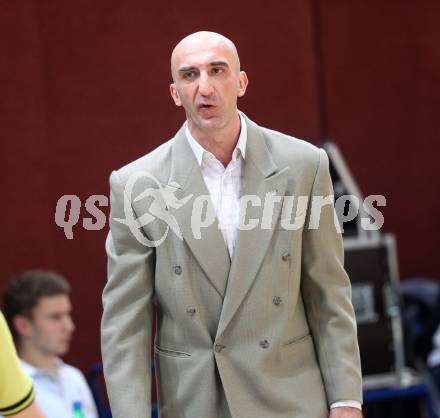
{"points": [[33, 371], [199, 151]]}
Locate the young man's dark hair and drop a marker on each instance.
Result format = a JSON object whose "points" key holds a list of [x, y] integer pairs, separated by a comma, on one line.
{"points": [[24, 291]]}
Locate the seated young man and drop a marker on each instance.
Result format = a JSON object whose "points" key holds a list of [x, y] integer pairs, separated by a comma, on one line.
{"points": [[38, 310]]}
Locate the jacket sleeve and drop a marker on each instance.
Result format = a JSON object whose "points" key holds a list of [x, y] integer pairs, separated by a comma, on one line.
{"points": [[126, 325], [326, 292]]}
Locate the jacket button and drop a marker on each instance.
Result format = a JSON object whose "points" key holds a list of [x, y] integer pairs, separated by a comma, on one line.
{"points": [[177, 270], [285, 255], [219, 347], [264, 343], [190, 310], [277, 300]]}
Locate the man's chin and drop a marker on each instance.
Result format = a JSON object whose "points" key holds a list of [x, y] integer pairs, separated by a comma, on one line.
{"points": [[207, 123], [62, 350], [210, 122]]}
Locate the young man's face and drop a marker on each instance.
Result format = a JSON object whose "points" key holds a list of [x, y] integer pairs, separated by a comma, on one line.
{"points": [[51, 326]]}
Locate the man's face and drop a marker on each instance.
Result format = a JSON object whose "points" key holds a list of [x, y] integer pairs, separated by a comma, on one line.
{"points": [[207, 82], [51, 326]]}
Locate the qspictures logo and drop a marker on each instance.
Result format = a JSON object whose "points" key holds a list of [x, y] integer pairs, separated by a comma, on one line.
{"points": [[296, 211]]}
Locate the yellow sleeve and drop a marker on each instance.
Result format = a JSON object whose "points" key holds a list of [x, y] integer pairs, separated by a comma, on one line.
{"points": [[16, 392]]}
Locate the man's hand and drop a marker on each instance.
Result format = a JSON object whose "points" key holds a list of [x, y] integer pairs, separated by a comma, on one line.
{"points": [[345, 412]]}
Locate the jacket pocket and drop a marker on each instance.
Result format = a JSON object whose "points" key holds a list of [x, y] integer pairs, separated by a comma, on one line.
{"points": [[297, 339], [171, 352]]}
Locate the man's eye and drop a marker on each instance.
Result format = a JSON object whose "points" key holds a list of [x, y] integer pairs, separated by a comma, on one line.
{"points": [[189, 75], [217, 70]]}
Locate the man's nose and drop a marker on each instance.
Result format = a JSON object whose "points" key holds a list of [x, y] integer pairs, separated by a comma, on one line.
{"points": [[205, 85], [69, 324]]}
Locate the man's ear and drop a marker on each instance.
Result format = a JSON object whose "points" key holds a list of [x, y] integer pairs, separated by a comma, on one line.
{"points": [[22, 325], [175, 95], [242, 84]]}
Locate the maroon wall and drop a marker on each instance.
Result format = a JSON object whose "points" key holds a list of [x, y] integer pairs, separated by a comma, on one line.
{"points": [[85, 90], [381, 65]]}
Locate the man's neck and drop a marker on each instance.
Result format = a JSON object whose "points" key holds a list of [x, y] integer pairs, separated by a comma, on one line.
{"points": [[35, 357], [220, 142]]}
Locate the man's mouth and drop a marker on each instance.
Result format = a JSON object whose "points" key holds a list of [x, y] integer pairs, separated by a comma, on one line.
{"points": [[205, 106]]}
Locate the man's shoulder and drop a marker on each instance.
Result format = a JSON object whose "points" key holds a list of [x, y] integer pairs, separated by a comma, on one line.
{"points": [[278, 139], [154, 163], [289, 149]]}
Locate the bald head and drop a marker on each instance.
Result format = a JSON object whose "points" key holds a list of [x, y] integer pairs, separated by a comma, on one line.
{"points": [[207, 81], [203, 41]]}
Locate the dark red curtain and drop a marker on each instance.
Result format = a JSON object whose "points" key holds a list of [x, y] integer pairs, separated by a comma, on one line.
{"points": [[84, 90]]}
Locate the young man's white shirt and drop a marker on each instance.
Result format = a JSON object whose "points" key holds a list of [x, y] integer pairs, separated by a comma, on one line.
{"points": [[59, 388]]}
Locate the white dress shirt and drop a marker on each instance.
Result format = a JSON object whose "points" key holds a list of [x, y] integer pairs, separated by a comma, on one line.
{"points": [[57, 389], [224, 186]]}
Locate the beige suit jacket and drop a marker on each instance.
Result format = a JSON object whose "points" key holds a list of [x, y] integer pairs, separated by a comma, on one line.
{"points": [[268, 334]]}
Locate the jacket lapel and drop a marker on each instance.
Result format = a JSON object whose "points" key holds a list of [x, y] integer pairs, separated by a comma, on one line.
{"points": [[210, 248], [261, 176]]}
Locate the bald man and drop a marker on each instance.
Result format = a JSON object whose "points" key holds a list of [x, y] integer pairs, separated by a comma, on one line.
{"points": [[254, 313]]}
